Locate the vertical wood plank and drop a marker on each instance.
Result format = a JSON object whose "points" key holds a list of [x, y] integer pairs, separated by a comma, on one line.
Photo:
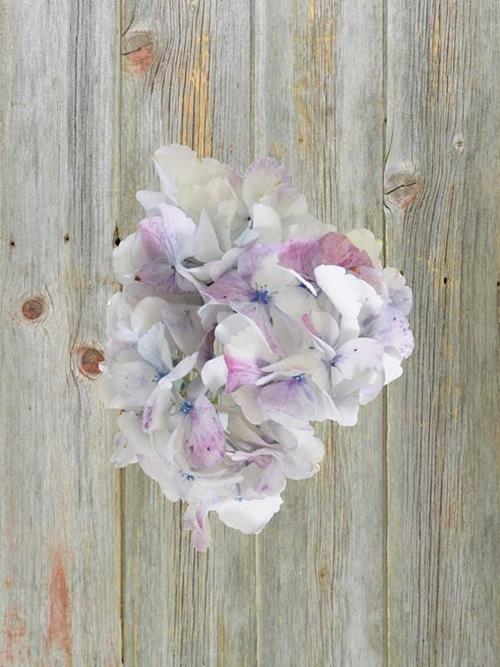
{"points": [[443, 141], [186, 78], [318, 101], [59, 519]]}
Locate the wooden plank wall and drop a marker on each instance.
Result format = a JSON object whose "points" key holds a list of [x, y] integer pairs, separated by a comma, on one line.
{"points": [[386, 114]]}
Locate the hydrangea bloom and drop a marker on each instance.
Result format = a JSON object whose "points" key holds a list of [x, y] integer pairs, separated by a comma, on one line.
{"points": [[241, 321]]}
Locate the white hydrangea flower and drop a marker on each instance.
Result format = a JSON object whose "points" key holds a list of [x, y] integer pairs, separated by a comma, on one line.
{"points": [[241, 322]]}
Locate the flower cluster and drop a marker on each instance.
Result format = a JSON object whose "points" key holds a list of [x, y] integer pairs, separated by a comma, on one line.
{"points": [[242, 319]]}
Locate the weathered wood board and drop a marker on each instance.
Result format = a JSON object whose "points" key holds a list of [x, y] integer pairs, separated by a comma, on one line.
{"points": [[386, 114], [59, 502]]}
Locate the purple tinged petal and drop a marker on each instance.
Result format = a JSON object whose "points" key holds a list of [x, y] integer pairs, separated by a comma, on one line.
{"points": [[167, 240], [304, 255], [240, 372], [392, 330], [251, 260], [288, 399], [206, 349], [196, 520], [357, 356], [336, 249], [230, 287], [300, 255], [206, 440]]}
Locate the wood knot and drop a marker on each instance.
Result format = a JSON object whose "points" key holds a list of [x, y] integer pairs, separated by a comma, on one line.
{"points": [[32, 309], [458, 142], [138, 52], [323, 576], [88, 361], [401, 186]]}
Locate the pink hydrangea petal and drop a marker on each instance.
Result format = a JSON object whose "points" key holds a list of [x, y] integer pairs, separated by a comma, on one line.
{"points": [[300, 255], [206, 440], [335, 248], [196, 520], [240, 372]]}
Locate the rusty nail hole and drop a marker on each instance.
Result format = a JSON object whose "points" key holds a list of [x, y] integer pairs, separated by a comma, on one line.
{"points": [[12, 244], [66, 238], [498, 283], [88, 361], [32, 309], [445, 280]]}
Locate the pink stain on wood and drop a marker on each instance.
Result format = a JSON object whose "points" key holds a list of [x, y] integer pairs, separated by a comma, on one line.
{"points": [[139, 52], [59, 630], [15, 649]]}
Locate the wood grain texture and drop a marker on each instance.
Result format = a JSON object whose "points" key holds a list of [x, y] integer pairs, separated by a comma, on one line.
{"points": [[385, 113], [443, 145], [59, 519], [318, 102], [180, 607]]}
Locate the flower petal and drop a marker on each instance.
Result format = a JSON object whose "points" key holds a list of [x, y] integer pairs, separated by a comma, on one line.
{"points": [[230, 287], [288, 400], [335, 248], [206, 245], [248, 516], [150, 200], [262, 178], [214, 373], [206, 440]]}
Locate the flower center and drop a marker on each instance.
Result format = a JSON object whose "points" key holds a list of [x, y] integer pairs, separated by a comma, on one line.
{"points": [[159, 376], [261, 296], [186, 407]]}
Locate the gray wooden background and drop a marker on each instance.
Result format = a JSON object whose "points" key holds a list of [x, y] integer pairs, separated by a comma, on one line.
{"points": [[387, 113]]}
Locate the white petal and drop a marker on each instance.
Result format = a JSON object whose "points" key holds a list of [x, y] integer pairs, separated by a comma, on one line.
{"points": [[157, 406], [154, 348], [243, 333], [184, 367], [150, 200], [206, 246], [267, 223], [148, 311], [214, 373], [128, 258], [248, 516], [124, 453], [365, 240], [345, 291], [392, 367]]}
